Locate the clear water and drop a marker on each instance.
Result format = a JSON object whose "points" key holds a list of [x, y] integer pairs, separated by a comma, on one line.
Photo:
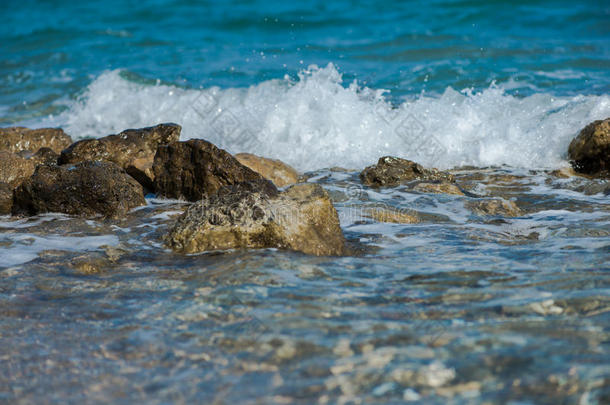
{"points": [[459, 308]]}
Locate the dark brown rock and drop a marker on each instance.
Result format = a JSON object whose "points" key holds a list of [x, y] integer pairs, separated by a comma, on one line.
{"points": [[302, 218], [6, 199], [392, 171], [16, 139], [133, 150], [589, 152], [85, 189], [14, 169], [44, 156], [195, 169]]}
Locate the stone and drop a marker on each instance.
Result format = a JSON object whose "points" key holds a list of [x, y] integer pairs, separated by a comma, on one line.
{"points": [[195, 169], [16, 139], [275, 170], [392, 171], [44, 156], [302, 218], [14, 169], [443, 187], [6, 199], [133, 149], [589, 152], [391, 215], [494, 207], [86, 189]]}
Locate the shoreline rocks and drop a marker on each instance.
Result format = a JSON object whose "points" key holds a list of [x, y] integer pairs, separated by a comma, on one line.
{"points": [[494, 207], [392, 171], [278, 172], [84, 189], [132, 149], [17, 139], [6, 199], [589, 152], [301, 218], [196, 169], [15, 169]]}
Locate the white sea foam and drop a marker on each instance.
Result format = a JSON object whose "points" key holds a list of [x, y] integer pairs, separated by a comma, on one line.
{"points": [[317, 121]]}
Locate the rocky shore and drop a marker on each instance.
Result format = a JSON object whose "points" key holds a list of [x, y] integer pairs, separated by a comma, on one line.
{"points": [[234, 201]]}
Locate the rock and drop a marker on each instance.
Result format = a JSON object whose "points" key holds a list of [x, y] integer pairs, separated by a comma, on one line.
{"points": [[589, 152], [301, 218], [16, 139], [563, 173], [6, 199], [275, 170], [85, 189], [195, 169], [391, 215], [14, 169], [443, 187], [133, 150], [392, 171], [494, 206]]}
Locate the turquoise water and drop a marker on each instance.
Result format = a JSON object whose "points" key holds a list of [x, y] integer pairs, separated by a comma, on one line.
{"points": [[461, 307]]}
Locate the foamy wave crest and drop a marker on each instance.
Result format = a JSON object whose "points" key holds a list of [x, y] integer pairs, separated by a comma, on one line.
{"points": [[316, 121]]}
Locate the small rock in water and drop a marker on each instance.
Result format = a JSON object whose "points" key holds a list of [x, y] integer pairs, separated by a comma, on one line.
{"points": [[443, 187], [85, 189], [301, 218], [196, 169], [589, 152], [495, 206], [16, 139], [392, 171], [133, 149], [393, 216], [272, 169]]}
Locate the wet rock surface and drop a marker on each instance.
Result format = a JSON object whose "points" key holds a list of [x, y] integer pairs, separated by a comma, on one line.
{"points": [[494, 207], [302, 218], [195, 169], [14, 169], [86, 189], [16, 139], [589, 152], [443, 187], [275, 170], [6, 198], [392, 216], [133, 149], [392, 171]]}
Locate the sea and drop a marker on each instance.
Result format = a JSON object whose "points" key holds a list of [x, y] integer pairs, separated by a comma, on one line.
{"points": [[462, 307]]}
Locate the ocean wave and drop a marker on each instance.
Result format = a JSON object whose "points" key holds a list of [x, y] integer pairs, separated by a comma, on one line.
{"points": [[317, 121]]}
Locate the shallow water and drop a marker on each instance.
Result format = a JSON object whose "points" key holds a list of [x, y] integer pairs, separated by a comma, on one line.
{"points": [[458, 307]]}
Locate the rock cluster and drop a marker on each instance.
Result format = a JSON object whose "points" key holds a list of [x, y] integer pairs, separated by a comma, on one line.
{"points": [[17, 139]]}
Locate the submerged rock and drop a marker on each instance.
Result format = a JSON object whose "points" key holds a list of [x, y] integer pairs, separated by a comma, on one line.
{"points": [[443, 187], [392, 216], [302, 218], [589, 152], [133, 150], [272, 169], [85, 189], [195, 169], [494, 206], [392, 171], [6, 199], [16, 139], [14, 169]]}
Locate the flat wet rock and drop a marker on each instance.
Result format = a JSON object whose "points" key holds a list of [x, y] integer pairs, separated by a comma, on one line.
{"points": [[301, 218], [196, 169], [16, 139], [392, 171], [133, 149], [86, 189]]}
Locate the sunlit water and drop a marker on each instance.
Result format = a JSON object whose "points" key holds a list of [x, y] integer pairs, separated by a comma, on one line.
{"points": [[458, 308]]}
